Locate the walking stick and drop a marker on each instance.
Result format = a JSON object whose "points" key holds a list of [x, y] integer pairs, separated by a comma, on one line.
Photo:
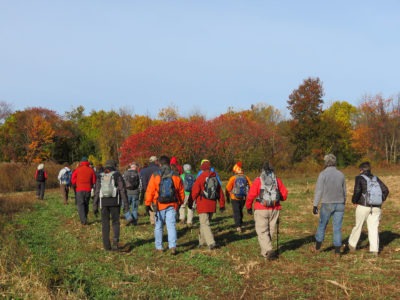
{"points": [[277, 237]]}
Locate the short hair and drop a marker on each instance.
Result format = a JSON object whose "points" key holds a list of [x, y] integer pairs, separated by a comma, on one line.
{"points": [[365, 166], [164, 160], [330, 160]]}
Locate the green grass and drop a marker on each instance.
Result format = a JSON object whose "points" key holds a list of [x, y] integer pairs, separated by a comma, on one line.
{"points": [[47, 254]]}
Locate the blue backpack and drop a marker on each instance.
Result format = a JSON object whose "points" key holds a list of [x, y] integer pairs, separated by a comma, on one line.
{"points": [[241, 187], [188, 182], [374, 191], [166, 191], [66, 177]]}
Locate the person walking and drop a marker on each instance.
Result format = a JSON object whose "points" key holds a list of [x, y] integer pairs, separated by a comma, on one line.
{"points": [[330, 190], [64, 178], [40, 177], [145, 175], [84, 178], [267, 191], [133, 187], [188, 179], [206, 191], [237, 189], [109, 190], [369, 194], [164, 195]]}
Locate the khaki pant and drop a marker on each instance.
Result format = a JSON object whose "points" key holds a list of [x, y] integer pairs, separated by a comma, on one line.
{"points": [[364, 213], [182, 211], [206, 236], [265, 227]]}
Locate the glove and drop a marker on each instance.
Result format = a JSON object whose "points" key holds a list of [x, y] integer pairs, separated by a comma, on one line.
{"points": [[148, 209], [250, 211], [221, 209], [315, 210]]}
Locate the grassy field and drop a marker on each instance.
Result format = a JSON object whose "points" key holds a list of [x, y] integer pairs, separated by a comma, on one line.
{"points": [[47, 254]]}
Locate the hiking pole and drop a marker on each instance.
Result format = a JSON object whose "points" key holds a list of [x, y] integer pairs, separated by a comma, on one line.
{"points": [[277, 237]]}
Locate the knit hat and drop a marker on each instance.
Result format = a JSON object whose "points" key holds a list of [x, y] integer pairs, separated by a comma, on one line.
{"points": [[330, 160], [40, 167], [237, 168], [205, 165], [365, 166], [153, 158], [203, 160], [109, 164], [187, 168]]}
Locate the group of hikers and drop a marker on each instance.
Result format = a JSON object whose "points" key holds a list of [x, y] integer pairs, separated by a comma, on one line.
{"points": [[172, 193]]}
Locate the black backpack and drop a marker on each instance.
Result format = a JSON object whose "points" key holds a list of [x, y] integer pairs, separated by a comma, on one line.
{"points": [[40, 176], [132, 180]]}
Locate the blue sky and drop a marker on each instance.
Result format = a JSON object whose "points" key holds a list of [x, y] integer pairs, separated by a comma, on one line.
{"points": [[200, 56]]}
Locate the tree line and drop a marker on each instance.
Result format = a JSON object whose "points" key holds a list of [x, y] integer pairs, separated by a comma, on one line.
{"points": [[369, 131]]}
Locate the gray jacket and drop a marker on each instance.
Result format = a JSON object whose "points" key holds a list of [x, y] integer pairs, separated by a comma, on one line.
{"points": [[331, 187]]}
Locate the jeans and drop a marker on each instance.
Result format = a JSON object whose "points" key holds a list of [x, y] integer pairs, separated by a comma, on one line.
{"points": [[328, 210], [132, 214], [40, 189], [166, 216]]}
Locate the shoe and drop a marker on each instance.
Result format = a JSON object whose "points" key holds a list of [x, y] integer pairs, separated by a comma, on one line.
{"points": [[351, 248], [189, 225], [159, 251], [239, 229], [373, 254], [129, 223], [212, 247], [173, 251], [272, 255], [337, 251], [114, 246]]}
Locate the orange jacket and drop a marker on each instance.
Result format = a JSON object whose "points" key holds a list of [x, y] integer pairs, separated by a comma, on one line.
{"points": [[152, 190], [231, 184]]}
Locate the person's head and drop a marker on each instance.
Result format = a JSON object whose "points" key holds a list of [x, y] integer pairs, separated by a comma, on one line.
{"points": [[110, 165], [153, 159], [84, 159], [237, 168], [187, 168], [164, 160], [133, 166], [365, 166], [267, 167], [330, 160], [205, 165]]}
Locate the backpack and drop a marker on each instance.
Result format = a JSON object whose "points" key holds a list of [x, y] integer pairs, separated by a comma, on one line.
{"points": [[40, 176], [374, 191], [210, 188], [132, 179], [269, 193], [188, 182], [166, 191], [107, 188], [66, 177], [241, 187]]}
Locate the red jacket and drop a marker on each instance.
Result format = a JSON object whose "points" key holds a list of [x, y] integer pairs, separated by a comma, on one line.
{"points": [[83, 177], [254, 193], [204, 205]]}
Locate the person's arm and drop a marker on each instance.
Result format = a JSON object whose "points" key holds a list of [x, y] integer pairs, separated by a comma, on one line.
{"points": [[319, 188], [384, 188], [282, 189], [357, 190]]}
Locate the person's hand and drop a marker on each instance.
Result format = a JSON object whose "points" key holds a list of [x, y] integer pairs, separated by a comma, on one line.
{"points": [[221, 209], [148, 209], [315, 210], [250, 211]]}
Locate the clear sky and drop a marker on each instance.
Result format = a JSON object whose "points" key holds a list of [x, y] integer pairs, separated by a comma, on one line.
{"points": [[200, 56]]}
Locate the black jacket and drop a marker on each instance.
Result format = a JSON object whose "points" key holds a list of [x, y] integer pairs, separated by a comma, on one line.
{"points": [[360, 188]]}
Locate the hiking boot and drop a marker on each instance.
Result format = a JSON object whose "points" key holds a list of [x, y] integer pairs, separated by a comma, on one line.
{"points": [[114, 246], [212, 247], [189, 225], [173, 251], [351, 248], [272, 255], [129, 223], [373, 254], [337, 251]]}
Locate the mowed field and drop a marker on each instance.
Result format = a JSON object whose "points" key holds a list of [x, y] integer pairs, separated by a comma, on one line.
{"points": [[47, 254]]}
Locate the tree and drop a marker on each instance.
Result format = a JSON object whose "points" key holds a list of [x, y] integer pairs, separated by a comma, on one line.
{"points": [[305, 105], [5, 110]]}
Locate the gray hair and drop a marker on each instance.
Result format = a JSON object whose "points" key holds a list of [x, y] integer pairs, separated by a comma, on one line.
{"points": [[330, 160]]}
